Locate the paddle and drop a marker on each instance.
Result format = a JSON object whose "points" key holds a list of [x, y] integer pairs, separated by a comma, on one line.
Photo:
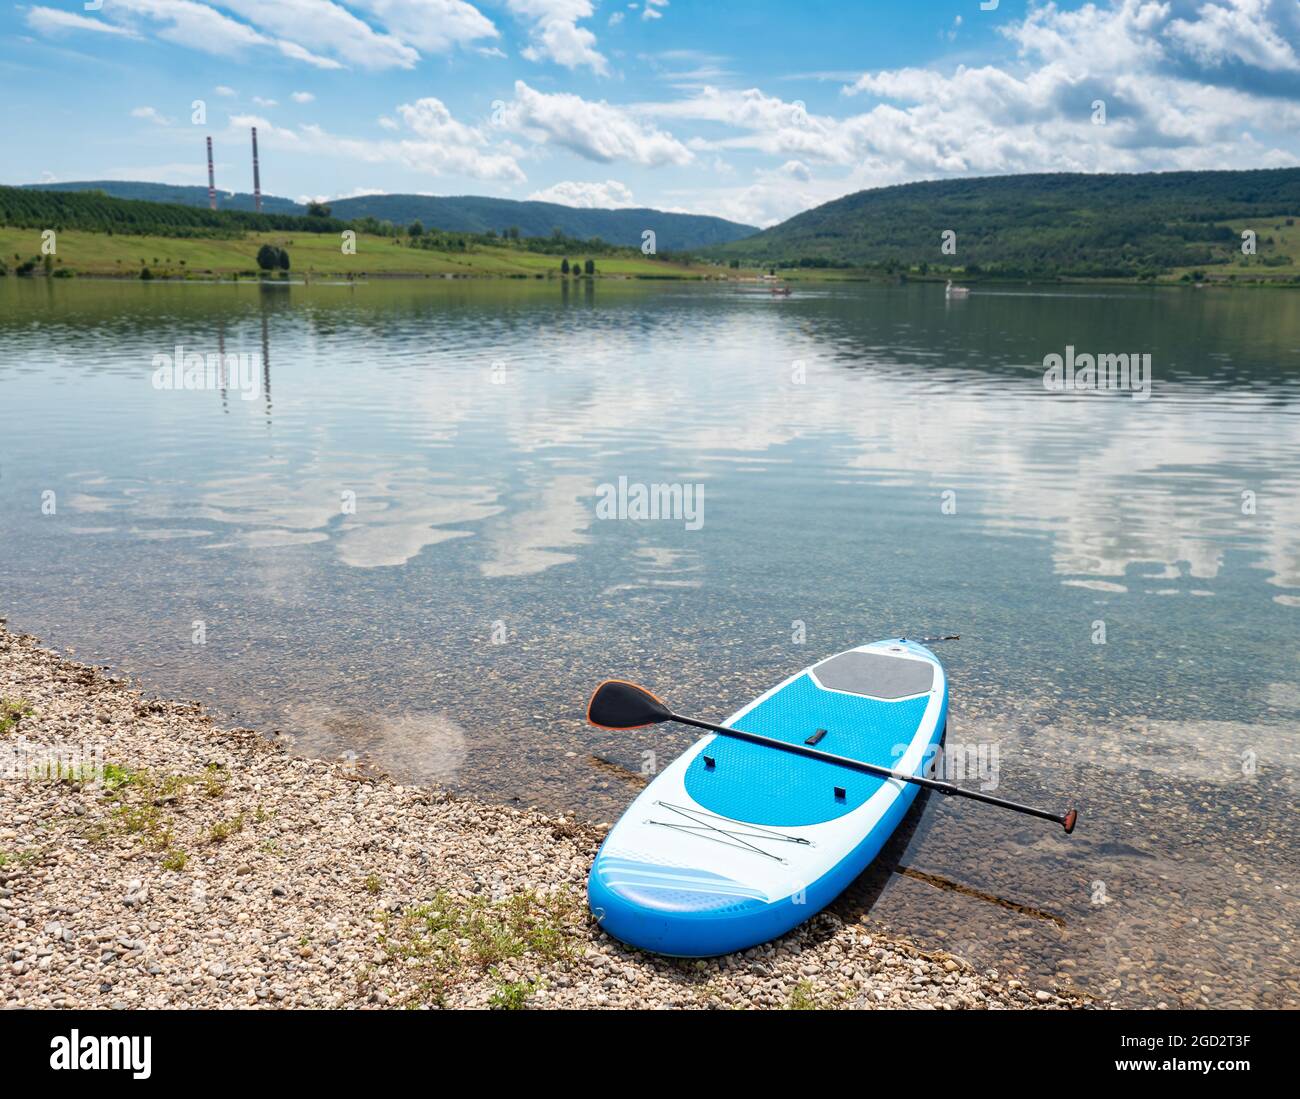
{"points": [[617, 704]]}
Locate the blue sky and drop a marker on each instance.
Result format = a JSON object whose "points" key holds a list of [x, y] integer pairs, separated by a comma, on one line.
{"points": [[751, 110]]}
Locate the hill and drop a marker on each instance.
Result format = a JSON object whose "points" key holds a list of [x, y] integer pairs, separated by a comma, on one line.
{"points": [[473, 214], [176, 194], [94, 211], [458, 214], [1059, 224], [133, 238]]}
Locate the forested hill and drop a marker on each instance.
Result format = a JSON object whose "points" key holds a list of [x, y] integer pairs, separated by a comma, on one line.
{"points": [[176, 194], [1057, 224], [462, 214], [100, 213], [474, 214]]}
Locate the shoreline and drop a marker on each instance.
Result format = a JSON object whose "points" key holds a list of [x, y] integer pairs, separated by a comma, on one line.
{"points": [[789, 276], [201, 866]]}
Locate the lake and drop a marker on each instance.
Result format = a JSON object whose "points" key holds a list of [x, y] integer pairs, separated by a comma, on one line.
{"points": [[402, 529]]}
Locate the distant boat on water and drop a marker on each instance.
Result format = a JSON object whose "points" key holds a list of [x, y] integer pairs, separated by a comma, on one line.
{"points": [[951, 291]]}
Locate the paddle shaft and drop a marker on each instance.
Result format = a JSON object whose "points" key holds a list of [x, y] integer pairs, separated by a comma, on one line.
{"points": [[945, 788]]}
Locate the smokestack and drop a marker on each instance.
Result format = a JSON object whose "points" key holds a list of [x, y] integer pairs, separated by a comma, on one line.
{"points": [[257, 179], [212, 185]]}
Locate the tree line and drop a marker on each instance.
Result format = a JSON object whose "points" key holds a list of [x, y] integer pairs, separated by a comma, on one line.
{"points": [[96, 212]]}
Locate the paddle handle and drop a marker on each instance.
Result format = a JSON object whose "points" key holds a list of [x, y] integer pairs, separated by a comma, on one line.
{"points": [[1067, 820]]}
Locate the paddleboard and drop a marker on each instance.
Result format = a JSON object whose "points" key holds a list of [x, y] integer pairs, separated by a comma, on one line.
{"points": [[735, 843]]}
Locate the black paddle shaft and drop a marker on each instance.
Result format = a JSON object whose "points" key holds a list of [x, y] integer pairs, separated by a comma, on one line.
{"points": [[945, 788]]}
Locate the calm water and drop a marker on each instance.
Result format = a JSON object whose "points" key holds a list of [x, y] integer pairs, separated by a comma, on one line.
{"points": [[393, 549]]}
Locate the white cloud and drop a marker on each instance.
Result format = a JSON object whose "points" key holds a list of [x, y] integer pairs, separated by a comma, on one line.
{"points": [[434, 143], [260, 102], [432, 25], [774, 126], [150, 114], [51, 20], [650, 10], [775, 194], [1241, 30], [386, 123], [197, 26], [221, 89], [610, 195], [594, 130], [356, 192], [302, 97], [1187, 83], [1162, 111], [327, 27], [430, 118], [554, 34]]}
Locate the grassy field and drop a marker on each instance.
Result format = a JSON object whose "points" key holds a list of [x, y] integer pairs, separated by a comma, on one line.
{"points": [[1274, 237], [310, 254]]}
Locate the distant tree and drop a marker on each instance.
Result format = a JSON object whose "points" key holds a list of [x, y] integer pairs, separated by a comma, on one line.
{"points": [[589, 267], [318, 210], [513, 232], [564, 266], [283, 259], [268, 257], [415, 229]]}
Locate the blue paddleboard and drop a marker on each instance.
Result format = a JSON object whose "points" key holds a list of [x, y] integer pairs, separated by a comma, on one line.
{"points": [[735, 843]]}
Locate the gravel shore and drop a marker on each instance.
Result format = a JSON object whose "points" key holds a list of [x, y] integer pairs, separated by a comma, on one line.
{"points": [[174, 863]]}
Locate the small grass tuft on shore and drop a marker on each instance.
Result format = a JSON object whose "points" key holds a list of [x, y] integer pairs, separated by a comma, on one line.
{"points": [[512, 995], [224, 829], [12, 711], [805, 997], [453, 938], [215, 778]]}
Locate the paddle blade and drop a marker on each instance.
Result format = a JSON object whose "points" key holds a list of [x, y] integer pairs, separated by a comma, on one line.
{"points": [[620, 705], [1070, 819]]}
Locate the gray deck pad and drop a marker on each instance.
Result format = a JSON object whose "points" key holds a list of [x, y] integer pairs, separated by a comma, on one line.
{"points": [[875, 674]]}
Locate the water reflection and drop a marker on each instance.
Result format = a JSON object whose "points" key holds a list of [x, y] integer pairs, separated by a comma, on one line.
{"points": [[409, 532]]}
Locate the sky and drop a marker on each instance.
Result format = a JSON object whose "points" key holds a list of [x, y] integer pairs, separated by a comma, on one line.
{"points": [[746, 109]]}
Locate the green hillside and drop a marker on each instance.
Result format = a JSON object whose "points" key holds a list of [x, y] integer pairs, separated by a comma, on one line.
{"points": [[316, 255], [23, 208], [1066, 225], [469, 213], [458, 214], [128, 238], [176, 194]]}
